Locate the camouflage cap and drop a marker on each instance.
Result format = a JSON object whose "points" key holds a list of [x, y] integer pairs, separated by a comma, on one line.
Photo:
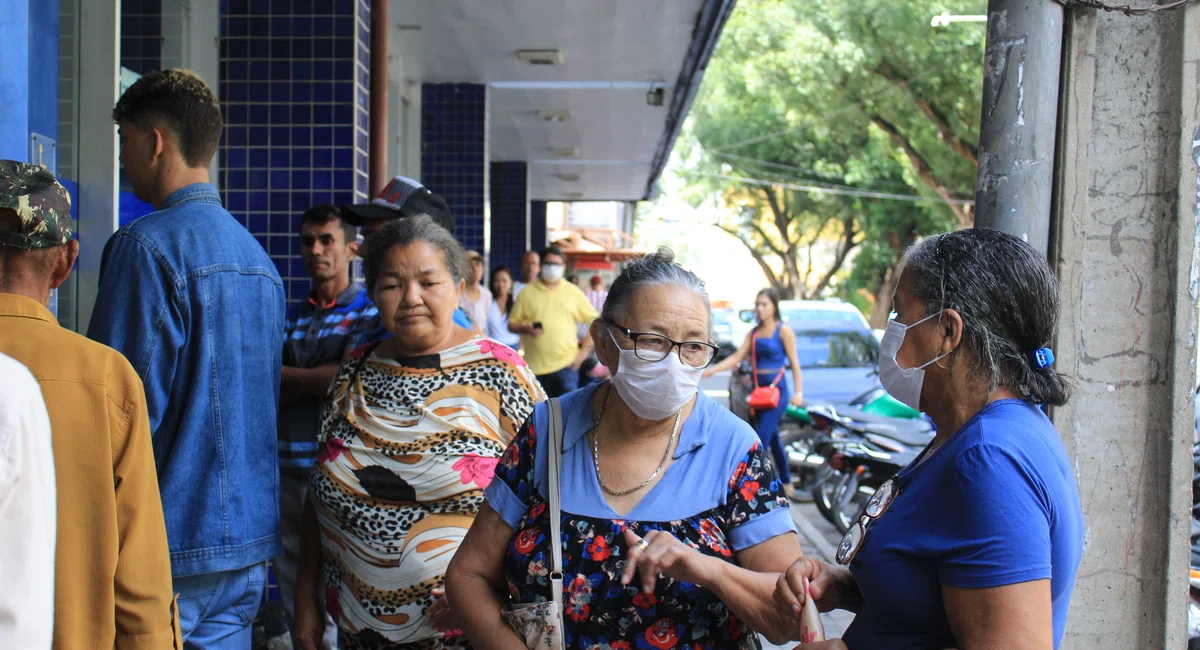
{"points": [[41, 203]]}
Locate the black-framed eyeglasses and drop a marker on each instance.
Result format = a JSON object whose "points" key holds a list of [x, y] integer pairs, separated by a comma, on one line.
{"points": [[857, 535], [649, 346]]}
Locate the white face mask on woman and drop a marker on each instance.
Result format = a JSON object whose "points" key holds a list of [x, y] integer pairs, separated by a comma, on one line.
{"points": [[654, 390], [553, 272], [902, 383]]}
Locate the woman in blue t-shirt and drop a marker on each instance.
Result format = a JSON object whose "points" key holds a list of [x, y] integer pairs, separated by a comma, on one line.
{"points": [[977, 542]]}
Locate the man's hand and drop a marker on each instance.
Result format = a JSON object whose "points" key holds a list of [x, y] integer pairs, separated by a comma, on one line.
{"points": [[310, 629]]}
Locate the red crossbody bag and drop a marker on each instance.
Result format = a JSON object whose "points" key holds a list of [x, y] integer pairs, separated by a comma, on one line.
{"points": [[762, 398]]}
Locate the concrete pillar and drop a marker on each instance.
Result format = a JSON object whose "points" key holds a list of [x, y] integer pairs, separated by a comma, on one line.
{"points": [[1125, 247], [454, 155], [96, 149], [538, 238], [190, 37], [510, 214], [294, 90]]}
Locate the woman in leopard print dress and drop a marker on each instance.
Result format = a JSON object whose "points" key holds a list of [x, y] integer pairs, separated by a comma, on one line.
{"points": [[411, 436]]}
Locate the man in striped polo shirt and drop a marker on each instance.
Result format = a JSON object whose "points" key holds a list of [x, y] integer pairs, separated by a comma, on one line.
{"points": [[318, 334]]}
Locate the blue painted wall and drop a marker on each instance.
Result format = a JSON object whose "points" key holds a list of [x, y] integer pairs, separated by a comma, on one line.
{"points": [[43, 67], [14, 80], [537, 226]]}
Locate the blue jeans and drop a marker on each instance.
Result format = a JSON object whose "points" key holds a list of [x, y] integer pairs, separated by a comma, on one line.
{"points": [[557, 384], [216, 610], [766, 424]]}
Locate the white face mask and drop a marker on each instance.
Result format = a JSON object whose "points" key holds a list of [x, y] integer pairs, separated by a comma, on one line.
{"points": [[654, 390], [902, 383], [553, 272]]}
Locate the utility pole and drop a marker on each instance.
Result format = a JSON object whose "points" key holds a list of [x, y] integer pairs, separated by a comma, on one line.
{"points": [[1020, 114]]}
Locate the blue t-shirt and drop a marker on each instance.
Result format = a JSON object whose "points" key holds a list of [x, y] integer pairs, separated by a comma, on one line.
{"points": [[995, 505]]}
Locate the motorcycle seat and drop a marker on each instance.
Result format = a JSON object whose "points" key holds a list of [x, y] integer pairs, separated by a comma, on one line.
{"points": [[914, 433]]}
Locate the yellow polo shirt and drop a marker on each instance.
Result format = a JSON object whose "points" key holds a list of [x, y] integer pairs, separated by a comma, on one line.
{"points": [[112, 569], [559, 310]]}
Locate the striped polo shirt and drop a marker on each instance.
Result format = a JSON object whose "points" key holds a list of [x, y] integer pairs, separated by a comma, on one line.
{"points": [[316, 335]]}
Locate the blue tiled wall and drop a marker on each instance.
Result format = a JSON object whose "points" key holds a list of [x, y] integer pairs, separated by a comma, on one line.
{"points": [[510, 212], [295, 94], [454, 155], [141, 35], [538, 238]]}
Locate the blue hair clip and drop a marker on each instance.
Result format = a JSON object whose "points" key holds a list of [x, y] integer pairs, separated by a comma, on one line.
{"points": [[1043, 358]]}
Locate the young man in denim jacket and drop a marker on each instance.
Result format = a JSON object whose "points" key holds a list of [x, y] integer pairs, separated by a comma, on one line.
{"points": [[196, 305]]}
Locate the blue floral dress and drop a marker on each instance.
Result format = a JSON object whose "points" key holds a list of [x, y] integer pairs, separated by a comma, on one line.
{"points": [[747, 507]]}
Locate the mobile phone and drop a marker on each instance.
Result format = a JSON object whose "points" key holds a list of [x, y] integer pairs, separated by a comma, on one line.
{"points": [[537, 325]]}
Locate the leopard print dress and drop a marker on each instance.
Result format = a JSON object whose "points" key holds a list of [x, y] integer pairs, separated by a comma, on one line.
{"points": [[408, 446]]}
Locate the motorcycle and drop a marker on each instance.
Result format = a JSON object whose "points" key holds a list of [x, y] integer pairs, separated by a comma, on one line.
{"points": [[800, 434], [857, 454]]}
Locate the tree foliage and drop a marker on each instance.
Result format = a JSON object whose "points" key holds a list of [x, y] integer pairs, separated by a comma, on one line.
{"points": [[812, 114]]}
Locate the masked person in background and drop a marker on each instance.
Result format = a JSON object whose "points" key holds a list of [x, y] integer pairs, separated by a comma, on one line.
{"points": [[982, 534], [546, 314], [674, 523]]}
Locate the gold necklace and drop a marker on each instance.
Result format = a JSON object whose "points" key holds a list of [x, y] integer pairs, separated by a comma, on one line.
{"points": [[596, 451]]}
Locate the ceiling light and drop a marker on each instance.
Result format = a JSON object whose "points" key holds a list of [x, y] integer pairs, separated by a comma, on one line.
{"points": [[656, 94], [554, 116], [569, 178], [564, 152], [574, 195], [540, 57]]}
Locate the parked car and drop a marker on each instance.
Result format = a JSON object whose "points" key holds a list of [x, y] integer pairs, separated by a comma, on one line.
{"points": [[839, 359], [723, 327]]}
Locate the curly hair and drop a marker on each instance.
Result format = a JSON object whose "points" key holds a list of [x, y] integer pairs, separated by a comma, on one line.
{"points": [[181, 102]]}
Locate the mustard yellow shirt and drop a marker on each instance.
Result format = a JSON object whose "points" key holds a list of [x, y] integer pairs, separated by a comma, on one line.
{"points": [[112, 585], [559, 310]]}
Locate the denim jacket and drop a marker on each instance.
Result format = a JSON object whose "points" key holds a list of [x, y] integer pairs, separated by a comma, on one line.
{"points": [[197, 306]]}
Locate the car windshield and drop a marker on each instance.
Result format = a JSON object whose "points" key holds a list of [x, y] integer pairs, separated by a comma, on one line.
{"points": [[795, 317], [821, 349]]}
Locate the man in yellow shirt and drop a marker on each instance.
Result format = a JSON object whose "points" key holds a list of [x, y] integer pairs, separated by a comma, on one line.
{"points": [[112, 569], [546, 315]]}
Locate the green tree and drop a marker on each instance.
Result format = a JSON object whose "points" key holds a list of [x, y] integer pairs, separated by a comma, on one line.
{"points": [[813, 114]]}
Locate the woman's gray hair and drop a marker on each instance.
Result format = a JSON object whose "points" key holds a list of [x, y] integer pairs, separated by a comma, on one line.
{"points": [[657, 269], [1008, 299], [408, 231]]}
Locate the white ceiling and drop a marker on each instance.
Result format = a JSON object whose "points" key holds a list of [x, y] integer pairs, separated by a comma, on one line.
{"points": [[624, 41]]}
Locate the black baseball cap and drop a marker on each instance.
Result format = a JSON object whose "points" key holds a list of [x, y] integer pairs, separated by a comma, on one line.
{"points": [[401, 197]]}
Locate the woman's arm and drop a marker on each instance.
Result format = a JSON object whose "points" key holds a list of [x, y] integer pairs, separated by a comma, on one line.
{"points": [[733, 359], [746, 589], [310, 620], [1013, 616], [789, 346], [475, 582]]}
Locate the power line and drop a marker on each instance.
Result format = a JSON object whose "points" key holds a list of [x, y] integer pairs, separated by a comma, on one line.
{"points": [[839, 192], [767, 163]]}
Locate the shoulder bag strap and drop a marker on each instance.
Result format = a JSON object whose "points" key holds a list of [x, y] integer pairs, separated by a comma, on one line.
{"points": [[554, 473], [754, 354]]}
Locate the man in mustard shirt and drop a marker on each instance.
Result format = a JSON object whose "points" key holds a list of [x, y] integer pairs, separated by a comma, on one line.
{"points": [[546, 315], [112, 569]]}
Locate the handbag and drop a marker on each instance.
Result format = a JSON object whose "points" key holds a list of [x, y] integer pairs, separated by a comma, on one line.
{"points": [[762, 398], [540, 625]]}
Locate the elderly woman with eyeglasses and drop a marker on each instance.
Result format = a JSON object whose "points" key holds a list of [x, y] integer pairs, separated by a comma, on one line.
{"points": [[977, 542], [674, 525]]}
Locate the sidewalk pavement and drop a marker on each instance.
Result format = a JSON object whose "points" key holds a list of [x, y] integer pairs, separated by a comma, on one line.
{"points": [[819, 539]]}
